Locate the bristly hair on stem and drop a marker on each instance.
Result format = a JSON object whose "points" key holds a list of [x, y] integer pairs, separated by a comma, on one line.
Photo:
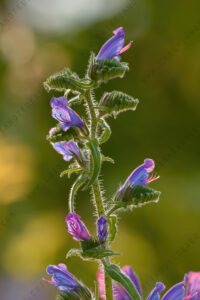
{"points": [[79, 139]]}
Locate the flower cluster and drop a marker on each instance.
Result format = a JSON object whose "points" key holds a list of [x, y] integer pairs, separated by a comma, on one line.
{"points": [[81, 140], [67, 118]]}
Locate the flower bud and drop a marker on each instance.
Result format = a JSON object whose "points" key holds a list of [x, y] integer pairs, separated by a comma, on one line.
{"points": [[102, 229], [77, 228]]}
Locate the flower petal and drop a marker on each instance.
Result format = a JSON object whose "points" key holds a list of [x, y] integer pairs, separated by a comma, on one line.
{"points": [[129, 272], [62, 148], [77, 228], [193, 286], [155, 294], [177, 292], [113, 46]]}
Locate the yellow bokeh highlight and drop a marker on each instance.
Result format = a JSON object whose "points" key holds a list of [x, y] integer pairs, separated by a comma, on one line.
{"points": [[28, 253], [16, 171]]}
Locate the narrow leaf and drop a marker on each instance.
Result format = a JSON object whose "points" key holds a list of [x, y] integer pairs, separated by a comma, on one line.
{"points": [[106, 132], [98, 253], [96, 160], [112, 224], [77, 184], [109, 159], [96, 291], [70, 171], [73, 252], [116, 274]]}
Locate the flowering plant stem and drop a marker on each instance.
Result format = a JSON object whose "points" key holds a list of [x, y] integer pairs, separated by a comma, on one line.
{"points": [[97, 192], [79, 140]]}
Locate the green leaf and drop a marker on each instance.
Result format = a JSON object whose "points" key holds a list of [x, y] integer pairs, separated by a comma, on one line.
{"points": [[142, 195], [82, 293], [66, 296], [98, 253], [116, 274], [92, 249], [112, 225], [67, 80], [95, 252], [70, 171], [106, 132], [91, 64], [73, 252], [139, 195], [117, 102], [108, 69], [77, 184], [96, 291], [59, 135], [87, 245], [109, 159], [93, 145], [117, 203]]}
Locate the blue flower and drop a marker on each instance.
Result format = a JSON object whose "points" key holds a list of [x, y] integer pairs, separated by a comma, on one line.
{"points": [[114, 46], [61, 278], [65, 115], [140, 176], [67, 149], [102, 229]]}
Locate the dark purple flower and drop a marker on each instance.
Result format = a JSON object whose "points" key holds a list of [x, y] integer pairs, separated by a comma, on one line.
{"points": [[64, 114], [61, 278], [193, 286], [67, 149], [102, 229], [114, 46], [76, 227]]}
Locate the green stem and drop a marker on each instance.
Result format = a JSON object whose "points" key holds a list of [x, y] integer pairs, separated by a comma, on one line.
{"points": [[108, 286], [97, 191], [98, 200], [92, 114], [111, 211]]}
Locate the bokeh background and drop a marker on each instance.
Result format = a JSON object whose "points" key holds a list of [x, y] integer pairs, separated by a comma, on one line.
{"points": [[161, 241]]}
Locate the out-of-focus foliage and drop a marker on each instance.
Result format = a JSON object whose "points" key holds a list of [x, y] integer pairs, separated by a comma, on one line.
{"points": [[161, 241]]}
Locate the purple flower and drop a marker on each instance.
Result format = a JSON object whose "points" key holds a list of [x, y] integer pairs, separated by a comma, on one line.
{"points": [[193, 286], [65, 115], [114, 46], [67, 149], [102, 229], [177, 292], [76, 227], [61, 278], [119, 292], [140, 176]]}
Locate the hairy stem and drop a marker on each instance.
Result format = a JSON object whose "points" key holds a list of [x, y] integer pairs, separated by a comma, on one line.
{"points": [[98, 199], [93, 118], [97, 191]]}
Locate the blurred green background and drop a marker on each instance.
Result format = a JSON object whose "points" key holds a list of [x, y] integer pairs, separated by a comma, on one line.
{"points": [[161, 241]]}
